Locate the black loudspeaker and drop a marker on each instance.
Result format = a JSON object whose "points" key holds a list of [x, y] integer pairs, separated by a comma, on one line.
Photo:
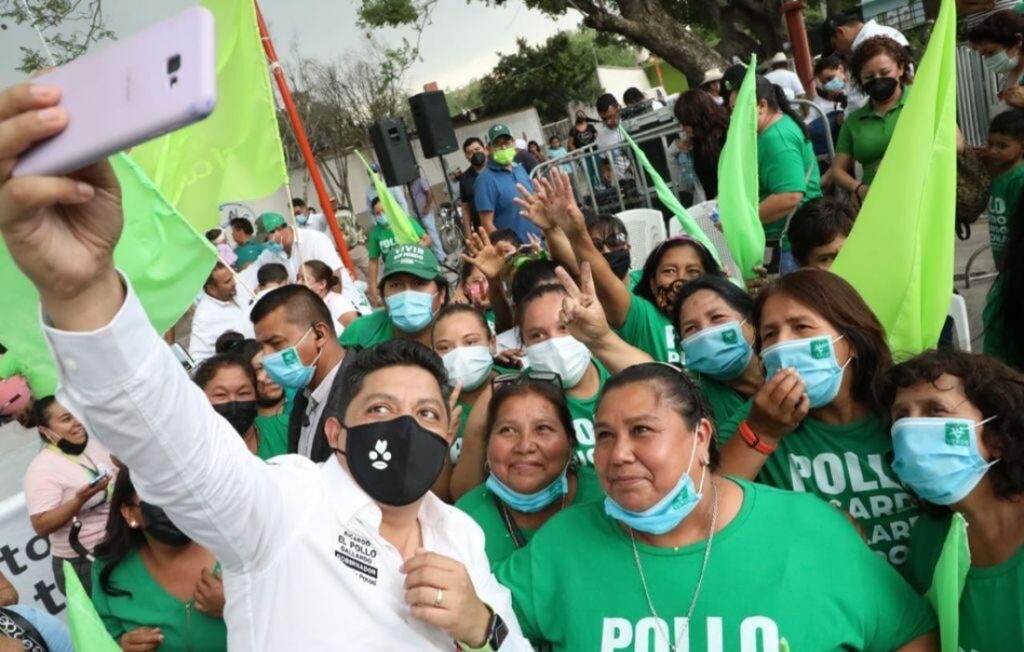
{"points": [[394, 151], [433, 124]]}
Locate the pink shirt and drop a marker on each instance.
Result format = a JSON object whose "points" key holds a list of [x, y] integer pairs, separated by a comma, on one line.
{"points": [[53, 478]]}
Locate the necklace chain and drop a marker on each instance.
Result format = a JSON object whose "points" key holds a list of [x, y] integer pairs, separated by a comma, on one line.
{"points": [[700, 578]]}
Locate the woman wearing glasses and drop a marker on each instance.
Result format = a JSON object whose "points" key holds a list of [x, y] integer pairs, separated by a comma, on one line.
{"points": [[531, 474], [680, 557]]}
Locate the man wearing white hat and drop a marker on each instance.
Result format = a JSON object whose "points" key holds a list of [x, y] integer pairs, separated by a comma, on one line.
{"points": [[712, 84], [785, 78]]}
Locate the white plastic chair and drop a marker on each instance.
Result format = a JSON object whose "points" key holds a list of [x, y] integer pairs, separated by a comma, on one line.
{"points": [[961, 324], [701, 214], [646, 228]]}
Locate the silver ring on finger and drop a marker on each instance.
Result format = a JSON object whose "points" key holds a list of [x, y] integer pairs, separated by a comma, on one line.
{"points": [[438, 598]]}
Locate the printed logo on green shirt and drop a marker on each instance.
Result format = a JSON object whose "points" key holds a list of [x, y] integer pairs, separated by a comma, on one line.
{"points": [[957, 434], [819, 349], [729, 337]]}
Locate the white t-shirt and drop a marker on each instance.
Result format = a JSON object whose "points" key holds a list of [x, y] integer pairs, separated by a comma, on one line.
{"points": [[788, 81], [212, 319], [339, 305], [609, 138]]}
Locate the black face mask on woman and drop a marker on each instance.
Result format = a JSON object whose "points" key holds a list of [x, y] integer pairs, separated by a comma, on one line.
{"points": [[158, 525], [619, 261], [395, 461], [240, 414], [881, 89]]}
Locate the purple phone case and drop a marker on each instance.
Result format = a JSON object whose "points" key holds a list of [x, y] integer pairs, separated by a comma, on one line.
{"points": [[126, 93]]}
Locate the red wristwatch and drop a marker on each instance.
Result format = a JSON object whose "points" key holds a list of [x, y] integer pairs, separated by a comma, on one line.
{"points": [[753, 440]]}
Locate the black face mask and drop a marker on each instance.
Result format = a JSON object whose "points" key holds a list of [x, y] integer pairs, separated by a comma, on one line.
{"points": [[881, 89], [619, 261], [158, 525], [395, 461], [240, 414], [70, 448], [478, 159]]}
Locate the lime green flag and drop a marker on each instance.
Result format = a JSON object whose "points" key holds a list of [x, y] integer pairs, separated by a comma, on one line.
{"points": [[669, 199], [738, 199], [164, 257], [948, 582], [87, 630], [235, 153], [406, 230], [907, 221]]}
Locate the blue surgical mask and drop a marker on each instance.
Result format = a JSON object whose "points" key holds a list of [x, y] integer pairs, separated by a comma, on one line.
{"points": [[381, 220], [410, 311], [286, 369], [668, 512], [720, 352], [275, 247], [529, 503], [302, 219], [938, 458], [814, 358], [1000, 62], [834, 85]]}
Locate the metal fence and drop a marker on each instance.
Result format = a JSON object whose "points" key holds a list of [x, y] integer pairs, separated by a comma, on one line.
{"points": [[976, 90]]}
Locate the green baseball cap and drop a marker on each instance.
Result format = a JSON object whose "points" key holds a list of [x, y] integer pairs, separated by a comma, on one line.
{"points": [[496, 132], [411, 259], [271, 221]]}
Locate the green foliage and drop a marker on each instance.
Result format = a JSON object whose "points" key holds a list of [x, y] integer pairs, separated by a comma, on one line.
{"points": [[80, 21], [391, 13]]}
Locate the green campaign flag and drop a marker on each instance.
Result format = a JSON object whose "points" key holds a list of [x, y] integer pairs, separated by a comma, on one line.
{"points": [[948, 582], [164, 257], [235, 153], [907, 222], [87, 630], [738, 198], [669, 199], [406, 230]]}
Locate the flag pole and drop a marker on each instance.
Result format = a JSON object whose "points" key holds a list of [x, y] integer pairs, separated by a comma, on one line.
{"points": [[300, 137]]}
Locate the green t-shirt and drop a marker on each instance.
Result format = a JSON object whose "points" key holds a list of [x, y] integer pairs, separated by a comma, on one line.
{"points": [[995, 343], [784, 157], [273, 435], [633, 278], [368, 330], [992, 604], [1004, 197], [724, 400], [649, 330], [456, 448], [379, 241], [849, 466], [787, 567], [479, 504], [248, 253], [582, 411], [184, 627], [865, 135]]}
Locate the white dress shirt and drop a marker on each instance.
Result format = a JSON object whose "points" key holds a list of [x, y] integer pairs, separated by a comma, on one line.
{"points": [[212, 318], [304, 565], [788, 81], [317, 399]]}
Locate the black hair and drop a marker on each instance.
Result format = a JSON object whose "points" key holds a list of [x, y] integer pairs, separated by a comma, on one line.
{"points": [[209, 368], [465, 271], [459, 309], [551, 392], [246, 347], [733, 79], [554, 137], [39, 413], [532, 143], [227, 341], [818, 222], [272, 273], [606, 102], [831, 62], [243, 225], [529, 275], [643, 286], [302, 307], [120, 539], [609, 224], [993, 388], [677, 389], [633, 95], [775, 98], [729, 292], [1004, 28], [374, 202], [298, 201], [506, 235], [213, 234], [393, 353], [1009, 123], [322, 272], [536, 293], [878, 45], [216, 268], [840, 19], [469, 141]]}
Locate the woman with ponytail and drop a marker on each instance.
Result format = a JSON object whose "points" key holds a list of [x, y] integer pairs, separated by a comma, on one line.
{"points": [[787, 168]]}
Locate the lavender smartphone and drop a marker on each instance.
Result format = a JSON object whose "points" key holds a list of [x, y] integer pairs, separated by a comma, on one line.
{"points": [[158, 80]]}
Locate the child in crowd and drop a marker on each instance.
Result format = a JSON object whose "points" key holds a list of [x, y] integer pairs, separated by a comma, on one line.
{"points": [[1005, 159], [818, 231], [270, 277]]}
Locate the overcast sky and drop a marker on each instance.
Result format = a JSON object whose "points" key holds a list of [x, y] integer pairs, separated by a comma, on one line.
{"points": [[462, 43]]}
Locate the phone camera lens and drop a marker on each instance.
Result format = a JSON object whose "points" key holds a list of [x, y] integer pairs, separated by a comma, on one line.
{"points": [[173, 64]]}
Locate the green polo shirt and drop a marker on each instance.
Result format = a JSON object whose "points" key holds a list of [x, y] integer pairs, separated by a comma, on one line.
{"points": [[248, 253], [784, 157], [865, 135], [368, 330]]}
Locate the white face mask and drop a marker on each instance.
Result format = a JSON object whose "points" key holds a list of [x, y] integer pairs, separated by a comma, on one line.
{"points": [[469, 365], [565, 356]]}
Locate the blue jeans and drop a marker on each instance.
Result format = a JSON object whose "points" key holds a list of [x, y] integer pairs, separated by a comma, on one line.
{"points": [[430, 226]]}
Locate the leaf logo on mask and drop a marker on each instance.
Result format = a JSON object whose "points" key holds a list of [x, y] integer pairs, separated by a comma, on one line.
{"points": [[379, 456], [289, 356], [820, 349], [729, 337], [957, 434]]}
